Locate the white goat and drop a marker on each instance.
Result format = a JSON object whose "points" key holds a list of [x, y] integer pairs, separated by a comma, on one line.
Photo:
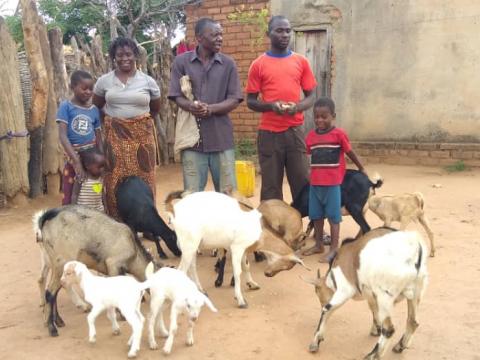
{"points": [[175, 286], [383, 266], [214, 220], [403, 208], [122, 292]]}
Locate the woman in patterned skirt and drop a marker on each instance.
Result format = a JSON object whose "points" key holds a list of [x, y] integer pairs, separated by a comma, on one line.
{"points": [[129, 99]]}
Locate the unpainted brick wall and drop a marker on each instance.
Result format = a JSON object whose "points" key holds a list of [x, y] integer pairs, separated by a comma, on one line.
{"points": [[239, 43], [405, 153]]}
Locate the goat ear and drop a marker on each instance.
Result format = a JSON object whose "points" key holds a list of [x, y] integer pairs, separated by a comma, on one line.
{"points": [[209, 303], [297, 260]]}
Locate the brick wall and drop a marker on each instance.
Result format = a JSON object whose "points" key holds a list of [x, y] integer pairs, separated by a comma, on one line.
{"points": [[432, 154], [238, 43]]}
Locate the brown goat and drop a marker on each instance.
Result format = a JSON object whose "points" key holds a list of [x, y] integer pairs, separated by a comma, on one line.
{"points": [[403, 208]]}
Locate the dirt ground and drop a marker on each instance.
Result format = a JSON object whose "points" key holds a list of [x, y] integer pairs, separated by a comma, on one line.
{"points": [[283, 314]]}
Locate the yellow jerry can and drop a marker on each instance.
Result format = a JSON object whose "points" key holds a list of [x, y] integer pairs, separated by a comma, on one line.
{"points": [[245, 172]]}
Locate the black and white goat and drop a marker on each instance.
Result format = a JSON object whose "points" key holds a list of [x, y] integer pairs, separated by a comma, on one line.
{"points": [[382, 266], [137, 209], [355, 190]]}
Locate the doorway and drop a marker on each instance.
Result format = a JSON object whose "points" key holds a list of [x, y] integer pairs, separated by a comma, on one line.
{"points": [[315, 46]]}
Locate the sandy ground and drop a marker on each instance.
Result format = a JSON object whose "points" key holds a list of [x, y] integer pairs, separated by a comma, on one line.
{"points": [[283, 314]]}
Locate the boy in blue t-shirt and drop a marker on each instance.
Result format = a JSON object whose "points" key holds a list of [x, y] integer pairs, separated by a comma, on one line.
{"points": [[79, 128]]}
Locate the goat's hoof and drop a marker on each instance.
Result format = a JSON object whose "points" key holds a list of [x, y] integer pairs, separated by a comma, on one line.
{"points": [[153, 346], [59, 322], [53, 332], [132, 354], [116, 332], [375, 331], [92, 340], [399, 347], [243, 306], [166, 351], [189, 342], [372, 356], [432, 254], [313, 348], [253, 286], [218, 283]]}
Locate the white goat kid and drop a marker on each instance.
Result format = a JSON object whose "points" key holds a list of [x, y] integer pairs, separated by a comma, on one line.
{"points": [[175, 286], [214, 220], [108, 293], [383, 267]]}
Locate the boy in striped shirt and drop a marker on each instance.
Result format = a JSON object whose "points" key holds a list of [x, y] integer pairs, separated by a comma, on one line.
{"points": [[89, 192], [327, 145]]}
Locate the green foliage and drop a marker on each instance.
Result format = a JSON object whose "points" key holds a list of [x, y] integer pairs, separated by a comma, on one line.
{"points": [[457, 166], [245, 149], [75, 17], [257, 18], [14, 24]]}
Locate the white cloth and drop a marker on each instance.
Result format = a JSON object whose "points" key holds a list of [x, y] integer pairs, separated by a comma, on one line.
{"points": [[186, 129]]}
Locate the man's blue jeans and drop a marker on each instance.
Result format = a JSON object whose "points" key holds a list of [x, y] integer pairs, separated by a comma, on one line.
{"points": [[196, 165]]}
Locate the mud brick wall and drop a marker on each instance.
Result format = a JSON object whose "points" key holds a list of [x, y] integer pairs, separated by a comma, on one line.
{"points": [[239, 43], [404, 153]]}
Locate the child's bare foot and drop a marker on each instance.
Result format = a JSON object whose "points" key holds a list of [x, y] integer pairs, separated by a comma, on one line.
{"points": [[325, 259], [313, 250]]}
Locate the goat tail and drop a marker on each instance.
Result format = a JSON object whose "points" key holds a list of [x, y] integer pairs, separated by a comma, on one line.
{"points": [[38, 222], [420, 199], [376, 181], [40, 218], [179, 194]]}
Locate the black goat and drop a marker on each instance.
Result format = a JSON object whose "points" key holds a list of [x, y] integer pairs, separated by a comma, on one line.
{"points": [[137, 209], [355, 190]]}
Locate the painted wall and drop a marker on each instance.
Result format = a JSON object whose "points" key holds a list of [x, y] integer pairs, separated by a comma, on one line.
{"points": [[403, 70]]}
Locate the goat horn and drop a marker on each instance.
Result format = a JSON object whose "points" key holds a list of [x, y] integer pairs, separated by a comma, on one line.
{"points": [[314, 282]]}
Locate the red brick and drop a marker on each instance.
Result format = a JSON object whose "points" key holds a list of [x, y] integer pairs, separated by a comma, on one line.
{"points": [[220, 17], [209, 3], [243, 35], [228, 9], [214, 10]]}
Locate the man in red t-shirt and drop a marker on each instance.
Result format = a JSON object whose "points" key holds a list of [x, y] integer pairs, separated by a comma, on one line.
{"points": [[328, 145], [279, 76]]}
